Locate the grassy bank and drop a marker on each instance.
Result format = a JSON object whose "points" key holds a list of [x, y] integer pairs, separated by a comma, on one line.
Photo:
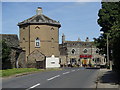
{"points": [[14, 71]]}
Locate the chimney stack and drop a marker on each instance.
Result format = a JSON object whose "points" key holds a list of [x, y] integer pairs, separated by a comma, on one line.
{"points": [[87, 39], [79, 39], [39, 11], [63, 38]]}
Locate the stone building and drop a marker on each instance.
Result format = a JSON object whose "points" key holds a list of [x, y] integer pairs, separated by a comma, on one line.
{"points": [[39, 37], [17, 55], [80, 53]]}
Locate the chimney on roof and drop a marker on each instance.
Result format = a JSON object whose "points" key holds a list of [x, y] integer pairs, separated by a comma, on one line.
{"points": [[79, 39], [39, 11], [63, 38], [87, 39]]}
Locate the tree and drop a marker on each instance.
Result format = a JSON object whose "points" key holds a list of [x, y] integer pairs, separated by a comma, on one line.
{"points": [[108, 15], [116, 45], [109, 18], [6, 50]]}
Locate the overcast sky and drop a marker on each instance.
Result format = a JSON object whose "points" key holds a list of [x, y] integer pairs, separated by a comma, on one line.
{"points": [[78, 19]]}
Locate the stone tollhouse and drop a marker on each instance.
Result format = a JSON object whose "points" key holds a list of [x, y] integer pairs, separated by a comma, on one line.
{"points": [[39, 37]]}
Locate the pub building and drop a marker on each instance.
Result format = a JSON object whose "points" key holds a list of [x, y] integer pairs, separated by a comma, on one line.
{"points": [[81, 53]]}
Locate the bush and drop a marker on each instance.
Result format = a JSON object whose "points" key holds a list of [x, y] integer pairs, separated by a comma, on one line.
{"points": [[6, 50]]}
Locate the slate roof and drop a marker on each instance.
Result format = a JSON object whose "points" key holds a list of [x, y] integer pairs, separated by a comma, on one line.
{"points": [[40, 19], [75, 43], [79, 42]]}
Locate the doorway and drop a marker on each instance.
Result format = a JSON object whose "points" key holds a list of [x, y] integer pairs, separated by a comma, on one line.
{"points": [[40, 64]]}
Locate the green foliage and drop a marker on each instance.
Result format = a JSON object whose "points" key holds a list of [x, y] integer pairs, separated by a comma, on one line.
{"points": [[6, 50], [14, 71], [108, 15], [101, 44], [109, 18], [116, 45]]}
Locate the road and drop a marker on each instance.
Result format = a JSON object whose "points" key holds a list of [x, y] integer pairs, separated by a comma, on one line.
{"points": [[66, 78]]}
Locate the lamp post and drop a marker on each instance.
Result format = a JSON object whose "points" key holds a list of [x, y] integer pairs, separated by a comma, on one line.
{"points": [[108, 61], [108, 51]]}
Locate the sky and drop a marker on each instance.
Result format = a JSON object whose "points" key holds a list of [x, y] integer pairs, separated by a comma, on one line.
{"points": [[78, 19]]}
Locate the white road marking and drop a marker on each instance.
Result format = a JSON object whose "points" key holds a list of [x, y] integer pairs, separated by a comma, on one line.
{"points": [[78, 69], [66, 72], [33, 86], [73, 70], [53, 77]]}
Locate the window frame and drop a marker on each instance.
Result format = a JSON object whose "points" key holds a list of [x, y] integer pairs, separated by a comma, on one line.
{"points": [[37, 41]]}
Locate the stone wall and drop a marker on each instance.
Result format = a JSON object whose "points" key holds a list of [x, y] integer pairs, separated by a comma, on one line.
{"points": [[21, 60], [73, 49], [63, 60], [17, 55], [36, 57], [48, 36]]}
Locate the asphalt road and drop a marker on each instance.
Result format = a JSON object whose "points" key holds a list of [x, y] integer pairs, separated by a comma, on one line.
{"points": [[66, 78]]}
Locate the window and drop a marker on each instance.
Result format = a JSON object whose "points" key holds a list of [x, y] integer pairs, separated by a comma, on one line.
{"points": [[52, 39], [85, 50], [37, 27], [97, 51], [23, 38], [73, 51], [98, 60], [37, 42], [52, 28]]}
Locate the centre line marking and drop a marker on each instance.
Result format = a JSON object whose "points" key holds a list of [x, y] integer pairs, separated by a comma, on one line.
{"points": [[66, 72], [53, 77], [33, 86], [73, 70]]}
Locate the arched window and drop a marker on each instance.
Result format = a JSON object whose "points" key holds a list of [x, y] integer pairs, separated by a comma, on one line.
{"points": [[73, 51], [52, 39], [37, 27], [52, 28], [97, 51], [85, 50], [37, 42]]}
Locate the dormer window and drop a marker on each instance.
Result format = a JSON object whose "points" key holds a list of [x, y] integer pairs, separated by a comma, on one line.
{"points": [[37, 42]]}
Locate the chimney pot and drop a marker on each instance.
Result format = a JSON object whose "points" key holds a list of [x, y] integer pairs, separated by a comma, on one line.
{"points": [[39, 11]]}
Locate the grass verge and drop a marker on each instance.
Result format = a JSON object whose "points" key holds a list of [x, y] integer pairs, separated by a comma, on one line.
{"points": [[15, 71]]}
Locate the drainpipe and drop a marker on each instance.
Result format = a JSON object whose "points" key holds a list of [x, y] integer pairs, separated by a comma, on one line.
{"points": [[17, 63]]}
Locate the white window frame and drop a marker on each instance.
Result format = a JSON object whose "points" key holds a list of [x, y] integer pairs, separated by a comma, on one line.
{"points": [[37, 40]]}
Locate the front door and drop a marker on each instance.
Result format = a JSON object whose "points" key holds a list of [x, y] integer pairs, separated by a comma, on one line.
{"points": [[40, 64]]}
